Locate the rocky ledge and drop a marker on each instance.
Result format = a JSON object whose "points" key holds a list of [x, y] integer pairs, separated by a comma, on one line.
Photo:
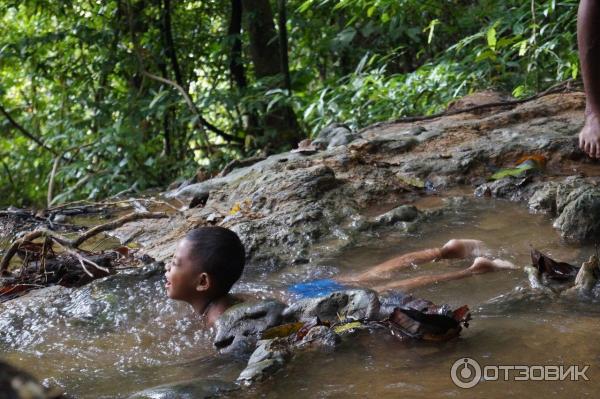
{"points": [[347, 186]]}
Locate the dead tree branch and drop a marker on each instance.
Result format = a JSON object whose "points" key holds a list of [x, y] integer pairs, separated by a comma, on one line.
{"points": [[75, 243]]}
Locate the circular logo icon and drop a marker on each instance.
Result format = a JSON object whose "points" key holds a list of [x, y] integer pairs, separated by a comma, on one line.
{"points": [[465, 373]]}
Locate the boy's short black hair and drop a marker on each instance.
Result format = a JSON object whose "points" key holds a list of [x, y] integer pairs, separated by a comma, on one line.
{"points": [[220, 253]]}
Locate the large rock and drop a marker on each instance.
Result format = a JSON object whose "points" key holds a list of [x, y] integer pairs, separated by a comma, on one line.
{"points": [[353, 303], [239, 328], [403, 213], [268, 357], [579, 220], [334, 135]]}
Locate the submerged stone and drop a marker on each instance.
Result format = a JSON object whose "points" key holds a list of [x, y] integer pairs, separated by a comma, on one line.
{"points": [[192, 389]]}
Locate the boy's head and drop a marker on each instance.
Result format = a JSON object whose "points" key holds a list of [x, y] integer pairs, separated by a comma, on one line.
{"points": [[206, 264]]}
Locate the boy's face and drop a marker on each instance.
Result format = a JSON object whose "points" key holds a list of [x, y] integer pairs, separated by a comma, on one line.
{"points": [[182, 275]]}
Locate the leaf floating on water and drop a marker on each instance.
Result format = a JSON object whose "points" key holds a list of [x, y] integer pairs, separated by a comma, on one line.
{"points": [[462, 315], [554, 270], [427, 325], [282, 331]]}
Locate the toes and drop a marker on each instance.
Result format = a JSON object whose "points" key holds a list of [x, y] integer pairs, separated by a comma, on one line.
{"points": [[587, 147]]}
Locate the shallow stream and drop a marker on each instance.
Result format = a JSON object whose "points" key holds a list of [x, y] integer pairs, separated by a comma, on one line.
{"points": [[121, 335]]}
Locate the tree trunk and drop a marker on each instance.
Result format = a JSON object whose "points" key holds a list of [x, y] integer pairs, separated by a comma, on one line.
{"points": [[281, 126], [170, 45], [249, 119], [236, 65]]}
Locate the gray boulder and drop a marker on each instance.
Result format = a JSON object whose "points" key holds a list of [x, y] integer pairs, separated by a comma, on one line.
{"points": [[320, 337], [579, 219], [239, 328], [544, 199], [334, 135], [403, 213], [353, 303], [269, 356]]}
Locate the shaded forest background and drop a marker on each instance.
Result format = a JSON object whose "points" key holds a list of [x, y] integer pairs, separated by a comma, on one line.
{"points": [[98, 97]]}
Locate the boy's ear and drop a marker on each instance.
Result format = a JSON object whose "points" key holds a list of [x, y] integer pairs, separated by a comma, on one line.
{"points": [[203, 282]]}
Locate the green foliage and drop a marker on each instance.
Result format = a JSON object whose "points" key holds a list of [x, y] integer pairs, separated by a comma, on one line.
{"points": [[71, 75]]}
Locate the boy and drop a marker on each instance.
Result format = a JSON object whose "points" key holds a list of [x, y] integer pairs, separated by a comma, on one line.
{"points": [[209, 260]]}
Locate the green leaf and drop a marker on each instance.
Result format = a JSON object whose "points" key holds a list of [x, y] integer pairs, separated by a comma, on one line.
{"points": [[347, 327], [514, 172], [491, 38], [431, 29], [159, 96]]}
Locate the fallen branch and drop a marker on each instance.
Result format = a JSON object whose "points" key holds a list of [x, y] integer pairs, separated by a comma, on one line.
{"points": [[75, 243]]}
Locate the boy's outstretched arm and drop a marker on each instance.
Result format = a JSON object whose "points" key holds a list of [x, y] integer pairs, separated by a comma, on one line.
{"points": [[479, 266], [588, 39], [453, 249]]}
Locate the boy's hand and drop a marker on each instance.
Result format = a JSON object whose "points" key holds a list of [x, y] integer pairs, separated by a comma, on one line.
{"points": [[589, 137]]}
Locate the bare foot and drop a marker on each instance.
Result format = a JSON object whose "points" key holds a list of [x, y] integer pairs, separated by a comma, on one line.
{"points": [[462, 248], [484, 265], [589, 137]]}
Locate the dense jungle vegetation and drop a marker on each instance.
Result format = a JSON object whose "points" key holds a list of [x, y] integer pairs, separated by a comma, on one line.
{"points": [[101, 96]]}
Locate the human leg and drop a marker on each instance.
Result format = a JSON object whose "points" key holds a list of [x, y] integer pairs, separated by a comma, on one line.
{"points": [[480, 265], [453, 249]]}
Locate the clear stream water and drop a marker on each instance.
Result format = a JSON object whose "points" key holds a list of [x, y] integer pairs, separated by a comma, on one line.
{"points": [[121, 335]]}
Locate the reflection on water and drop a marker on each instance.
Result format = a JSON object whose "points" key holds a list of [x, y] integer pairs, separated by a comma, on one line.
{"points": [[120, 335]]}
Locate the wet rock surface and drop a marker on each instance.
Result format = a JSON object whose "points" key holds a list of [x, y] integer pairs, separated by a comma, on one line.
{"points": [[291, 209], [239, 328], [287, 206], [574, 201], [354, 304], [193, 389]]}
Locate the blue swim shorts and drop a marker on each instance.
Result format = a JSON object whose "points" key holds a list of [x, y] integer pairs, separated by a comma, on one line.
{"points": [[316, 288]]}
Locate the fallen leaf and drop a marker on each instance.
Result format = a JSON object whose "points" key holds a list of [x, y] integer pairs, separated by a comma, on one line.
{"points": [[516, 171], [554, 270], [235, 208], [539, 159], [306, 328], [412, 181], [346, 327], [123, 251], [282, 331]]}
